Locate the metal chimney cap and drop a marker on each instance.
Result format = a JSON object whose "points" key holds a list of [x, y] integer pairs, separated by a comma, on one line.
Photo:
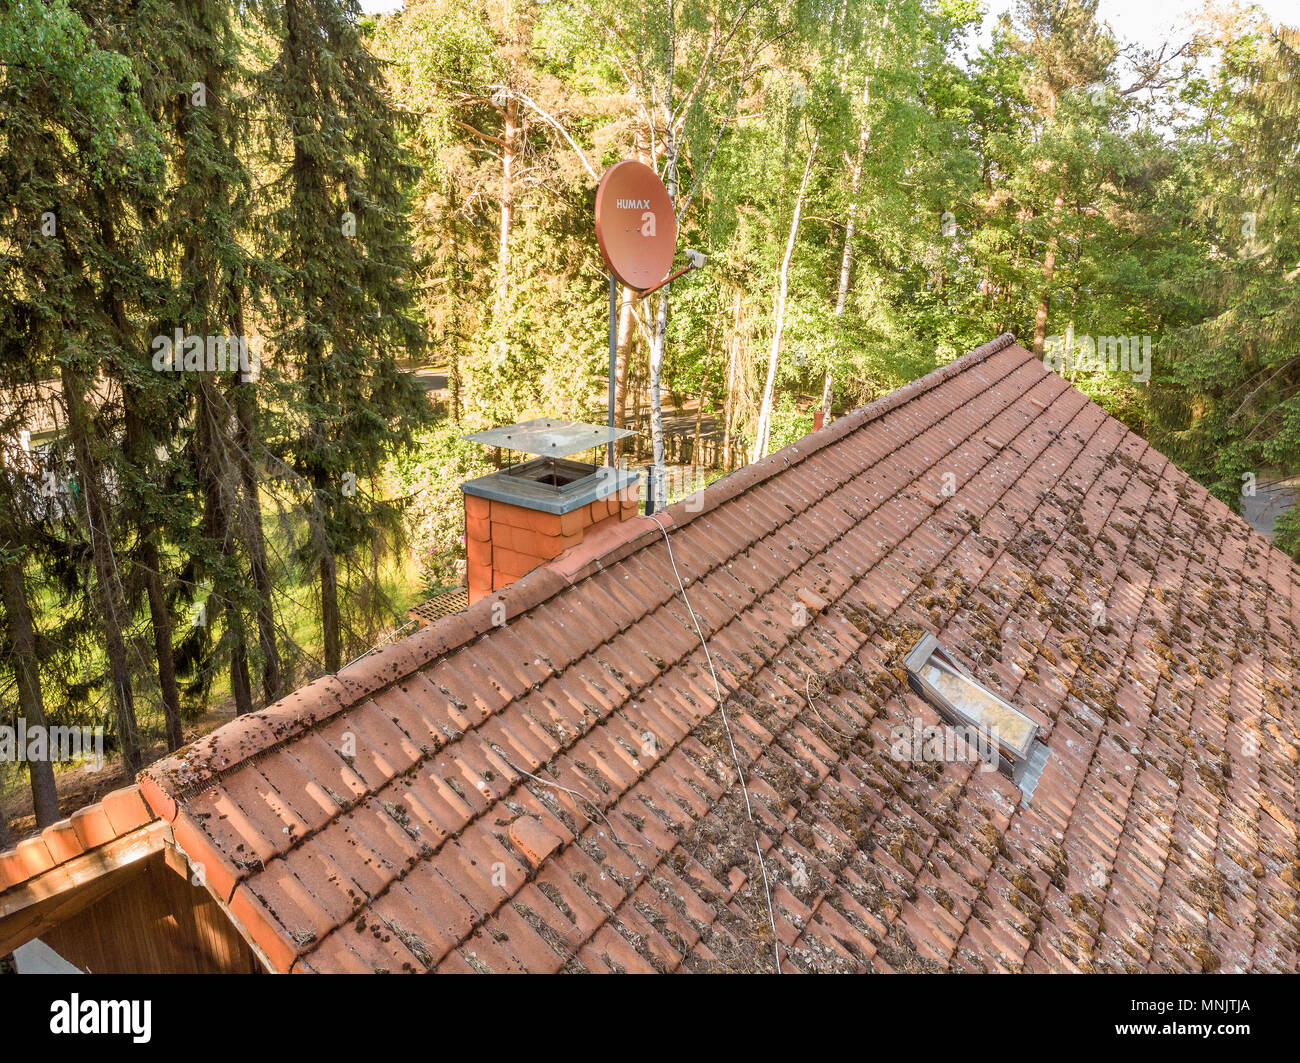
{"points": [[526, 493], [549, 437]]}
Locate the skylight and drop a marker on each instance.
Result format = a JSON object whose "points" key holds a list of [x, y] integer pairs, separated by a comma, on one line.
{"points": [[961, 700]]}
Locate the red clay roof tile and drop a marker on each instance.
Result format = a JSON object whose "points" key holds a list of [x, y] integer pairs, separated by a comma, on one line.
{"points": [[116, 814], [92, 826], [125, 809], [559, 792]]}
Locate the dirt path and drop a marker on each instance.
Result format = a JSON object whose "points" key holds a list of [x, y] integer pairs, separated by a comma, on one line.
{"points": [[81, 786]]}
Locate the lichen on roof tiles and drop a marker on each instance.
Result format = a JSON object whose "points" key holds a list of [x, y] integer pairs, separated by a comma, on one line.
{"points": [[557, 792]]}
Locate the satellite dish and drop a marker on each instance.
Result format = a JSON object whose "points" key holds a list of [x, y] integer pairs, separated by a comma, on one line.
{"points": [[635, 224]]}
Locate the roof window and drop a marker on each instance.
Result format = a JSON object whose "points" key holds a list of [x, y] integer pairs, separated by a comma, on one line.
{"points": [[964, 702]]}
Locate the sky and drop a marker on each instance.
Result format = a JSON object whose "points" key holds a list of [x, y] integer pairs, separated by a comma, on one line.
{"points": [[1146, 22], [1149, 21], [1152, 22]]}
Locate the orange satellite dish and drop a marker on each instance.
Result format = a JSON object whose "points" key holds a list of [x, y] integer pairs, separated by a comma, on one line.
{"points": [[635, 224]]}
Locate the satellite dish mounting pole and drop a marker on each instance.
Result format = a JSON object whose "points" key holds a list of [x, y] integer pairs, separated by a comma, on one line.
{"points": [[613, 357]]}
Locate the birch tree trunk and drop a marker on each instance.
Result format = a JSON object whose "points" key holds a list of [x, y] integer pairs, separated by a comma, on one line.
{"points": [[729, 397], [1049, 267], [699, 418], [850, 228], [509, 140], [763, 430], [453, 354], [661, 322], [846, 257], [656, 409], [623, 353]]}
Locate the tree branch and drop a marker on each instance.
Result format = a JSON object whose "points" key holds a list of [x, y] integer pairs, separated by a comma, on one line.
{"points": [[550, 120]]}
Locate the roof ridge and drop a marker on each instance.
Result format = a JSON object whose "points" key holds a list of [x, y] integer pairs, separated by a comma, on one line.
{"points": [[736, 483], [202, 763], [117, 813]]}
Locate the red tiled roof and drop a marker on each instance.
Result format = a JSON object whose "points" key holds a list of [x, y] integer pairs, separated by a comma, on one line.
{"points": [[86, 830], [420, 810]]}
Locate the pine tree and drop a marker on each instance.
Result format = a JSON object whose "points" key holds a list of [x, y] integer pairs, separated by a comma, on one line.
{"points": [[205, 226], [341, 309], [66, 271]]}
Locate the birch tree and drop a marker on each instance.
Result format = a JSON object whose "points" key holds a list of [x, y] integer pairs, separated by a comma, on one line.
{"points": [[780, 298], [685, 68]]}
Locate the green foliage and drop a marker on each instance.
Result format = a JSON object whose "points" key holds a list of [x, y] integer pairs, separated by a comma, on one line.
{"points": [[789, 424], [369, 195], [1287, 531], [88, 94], [1229, 388], [428, 476]]}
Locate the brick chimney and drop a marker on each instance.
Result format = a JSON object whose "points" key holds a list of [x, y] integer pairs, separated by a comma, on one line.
{"points": [[525, 515]]}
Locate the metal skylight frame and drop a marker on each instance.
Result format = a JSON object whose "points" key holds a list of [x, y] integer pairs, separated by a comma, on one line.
{"points": [[1019, 751]]}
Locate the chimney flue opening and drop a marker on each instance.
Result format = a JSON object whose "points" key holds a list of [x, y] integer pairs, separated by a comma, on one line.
{"points": [[525, 515]]}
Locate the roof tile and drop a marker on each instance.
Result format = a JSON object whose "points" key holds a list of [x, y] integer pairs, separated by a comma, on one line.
{"points": [[446, 840]]}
